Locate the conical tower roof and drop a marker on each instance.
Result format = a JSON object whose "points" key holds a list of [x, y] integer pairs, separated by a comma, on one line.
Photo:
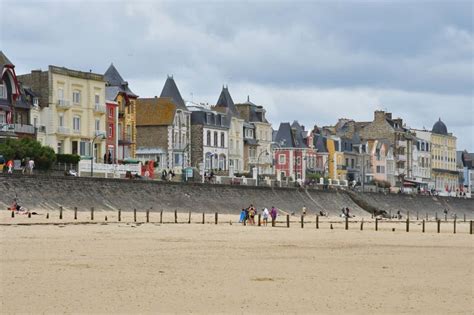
{"points": [[171, 90], [225, 101]]}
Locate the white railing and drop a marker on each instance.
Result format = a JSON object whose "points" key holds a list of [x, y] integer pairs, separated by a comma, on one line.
{"points": [[99, 133], [24, 128], [63, 104], [64, 130], [108, 170], [99, 108]]}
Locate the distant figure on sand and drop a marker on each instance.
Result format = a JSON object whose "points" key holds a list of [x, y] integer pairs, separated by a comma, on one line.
{"points": [[31, 166], [265, 216], [303, 211], [242, 216], [273, 214]]}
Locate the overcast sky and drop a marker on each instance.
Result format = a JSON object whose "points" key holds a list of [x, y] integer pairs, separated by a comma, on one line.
{"points": [[309, 61]]}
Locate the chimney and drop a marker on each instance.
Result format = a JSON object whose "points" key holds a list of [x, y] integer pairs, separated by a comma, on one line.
{"points": [[388, 116], [379, 115]]}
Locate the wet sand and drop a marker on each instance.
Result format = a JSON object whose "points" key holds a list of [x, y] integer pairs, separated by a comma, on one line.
{"points": [[193, 268]]}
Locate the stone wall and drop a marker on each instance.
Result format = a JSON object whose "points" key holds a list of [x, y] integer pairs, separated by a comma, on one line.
{"points": [[152, 136], [196, 145]]}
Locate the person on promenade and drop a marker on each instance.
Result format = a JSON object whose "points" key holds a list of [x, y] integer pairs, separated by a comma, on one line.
{"points": [[10, 166], [265, 216], [31, 166], [23, 166], [303, 210], [273, 214]]}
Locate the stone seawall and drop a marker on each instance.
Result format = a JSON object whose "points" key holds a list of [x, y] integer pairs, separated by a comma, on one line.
{"points": [[48, 193]]}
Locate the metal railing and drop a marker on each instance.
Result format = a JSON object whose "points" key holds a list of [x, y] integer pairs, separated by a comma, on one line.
{"points": [[99, 108], [63, 104], [64, 130]]}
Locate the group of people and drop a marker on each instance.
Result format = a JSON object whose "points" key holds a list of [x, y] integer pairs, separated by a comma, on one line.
{"points": [[167, 175], [247, 215], [27, 166], [346, 213]]}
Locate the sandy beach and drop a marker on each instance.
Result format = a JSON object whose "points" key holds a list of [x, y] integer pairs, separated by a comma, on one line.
{"points": [[193, 268]]}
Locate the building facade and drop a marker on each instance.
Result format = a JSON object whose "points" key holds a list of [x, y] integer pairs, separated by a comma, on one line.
{"points": [[117, 90], [443, 158], [71, 110]]}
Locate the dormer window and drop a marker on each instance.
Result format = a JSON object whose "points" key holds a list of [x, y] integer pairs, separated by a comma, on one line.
{"points": [[35, 101], [3, 91]]}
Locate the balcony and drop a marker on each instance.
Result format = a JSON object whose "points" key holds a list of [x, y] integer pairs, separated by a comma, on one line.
{"points": [[99, 109], [24, 128], [63, 104], [341, 167], [64, 130], [126, 139], [99, 133], [179, 146]]}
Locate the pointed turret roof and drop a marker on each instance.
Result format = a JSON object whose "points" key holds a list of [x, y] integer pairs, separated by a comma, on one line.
{"points": [[171, 90], [225, 101], [4, 60], [116, 84]]}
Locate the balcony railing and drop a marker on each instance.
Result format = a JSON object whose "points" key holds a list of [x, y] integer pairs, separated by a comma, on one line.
{"points": [[179, 146], [24, 128], [341, 167], [65, 104], [99, 109], [64, 130], [99, 133]]}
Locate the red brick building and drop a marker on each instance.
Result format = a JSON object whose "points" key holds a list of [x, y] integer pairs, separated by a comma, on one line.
{"points": [[111, 131]]}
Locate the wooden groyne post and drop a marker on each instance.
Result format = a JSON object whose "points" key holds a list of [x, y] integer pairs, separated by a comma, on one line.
{"points": [[134, 215], [439, 225], [423, 226], [317, 221], [216, 218], [175, 216], [347, 223], [60, 212], [362, 224], [75, 213], [147, 215], [408, 225], [376, 224], [119, 215], [92, 213], [287, 221], [203, 218], [189, 217], [161, 216], [302, 221]]}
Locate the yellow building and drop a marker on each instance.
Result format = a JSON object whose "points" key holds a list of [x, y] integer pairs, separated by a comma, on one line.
{"points": [[117, 90], [336, 162], [71, 113], [443, 158]]}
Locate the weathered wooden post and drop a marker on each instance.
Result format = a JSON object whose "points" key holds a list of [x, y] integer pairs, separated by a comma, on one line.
{"points": [[259, 217], [47, 215], [175, 216], [376, 224], [445, 217], [119, 215], [161, 216], [408, 225], [216, 217], [203, 218], [423, 227], [287, 221], [302, 221], [439, 226], [454, 225], [13, 214], [105, 219], [60, 212], [189, 217], [317, 221], [470, 227], [362, 224], [147, 215], [29, 214], [92, 213], [347, 223], [134, 215], [75, 213]]}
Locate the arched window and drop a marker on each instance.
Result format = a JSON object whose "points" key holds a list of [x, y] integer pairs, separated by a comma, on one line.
{"points": [[216, 138], [222, 140], [222, 162], [208, 138]]}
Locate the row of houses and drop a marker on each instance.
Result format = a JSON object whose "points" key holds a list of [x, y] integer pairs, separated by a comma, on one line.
{"points": [[99, 116]]}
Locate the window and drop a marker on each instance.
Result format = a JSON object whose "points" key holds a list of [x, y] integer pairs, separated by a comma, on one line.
{"points": [[111, 112], [282, 159], [347, 162], [298, 160], [60, 94], [84, 148], [215, 139], [111, 130], [35, 102], [380, 169], [97, 124], [76, 123], [2, 117], [61, 120], [208, 138], [97, 100], [35, 121], [3, 91], [222, 140], [60, 147], [76, 97]]}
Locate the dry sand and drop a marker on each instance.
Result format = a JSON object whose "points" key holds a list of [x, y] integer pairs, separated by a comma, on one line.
{"points": [[194, 268]]}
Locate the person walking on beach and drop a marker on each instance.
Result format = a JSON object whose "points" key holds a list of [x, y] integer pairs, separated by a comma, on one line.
{"points": [[242, 216], [273, 214], [252, 213], [265, 216]]}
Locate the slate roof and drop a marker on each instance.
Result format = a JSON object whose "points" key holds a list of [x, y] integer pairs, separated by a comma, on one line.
{"points": [[218, 120], [440, 128], [116, 84], [158, 111], [225, 102], [170, 89], [320, 143], [4, 60], [289, 138]]}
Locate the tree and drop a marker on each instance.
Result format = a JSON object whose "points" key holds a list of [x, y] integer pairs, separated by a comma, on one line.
{"points": [[19, 149]]}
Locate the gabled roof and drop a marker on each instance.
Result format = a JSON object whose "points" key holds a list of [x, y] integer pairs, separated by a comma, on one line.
{"points": [[320, 143], [4, 60], [158, 111], [171, 90], [287, 137], [225, 102], [116, 84]]}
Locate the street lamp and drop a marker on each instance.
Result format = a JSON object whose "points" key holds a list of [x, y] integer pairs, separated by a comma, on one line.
{"points": [[258, 163], [98, 135]]}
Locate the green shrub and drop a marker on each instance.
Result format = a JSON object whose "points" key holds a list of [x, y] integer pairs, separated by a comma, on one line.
{"points": [[19, 149], [68, 158]]}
